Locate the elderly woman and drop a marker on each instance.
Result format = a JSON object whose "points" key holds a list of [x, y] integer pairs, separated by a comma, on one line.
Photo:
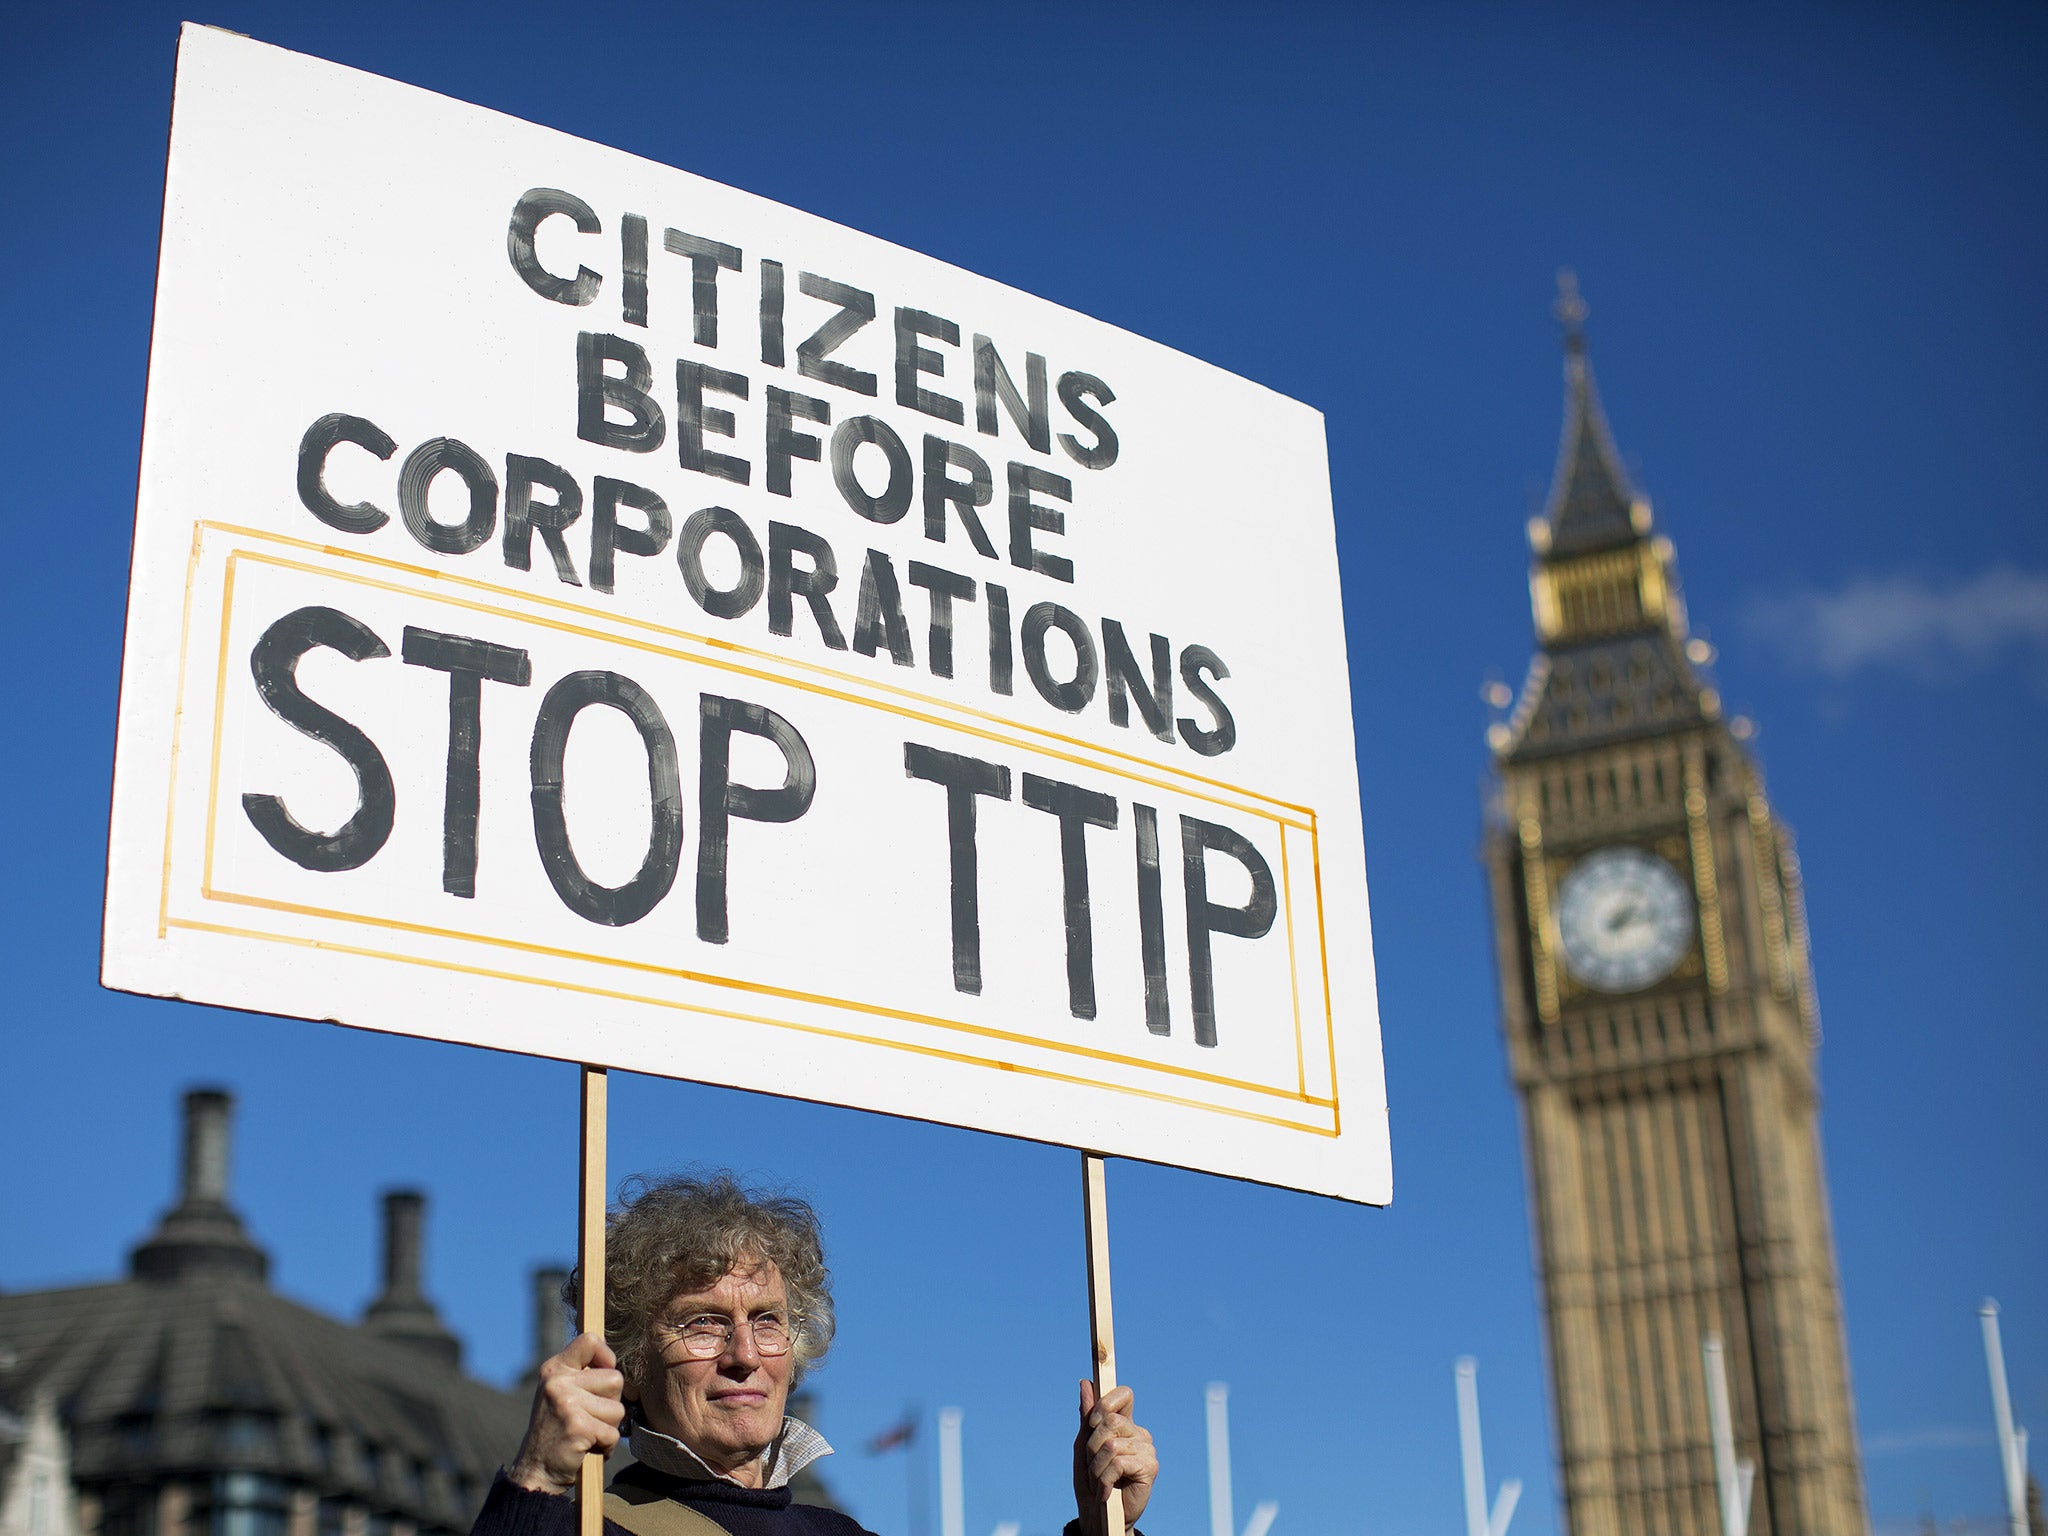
{"points": [[717, 1302]]}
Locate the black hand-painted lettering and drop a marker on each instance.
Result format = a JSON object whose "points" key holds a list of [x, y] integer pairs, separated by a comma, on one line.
{"points": [[469, 664], [719, 799], [813, 584], [607, 533], [1253, 920], [613, 906], [992, 382], [416, 477], [964, 778], [1155, 699], [771, 313], [694, 418], [729, 602], [1076, 389], [319, 441], [1220, 738], [1001, 670], [913, 360], [538, 204], [633, 269], [1073, 694], [942, 586], [1151, 921], [630, 392], [1027, 515], [1078, 809], [706, 257], [942, 490], [784, 441], [894, 500], [274, 663], [813, 357], [879, 620], [524, 516]]}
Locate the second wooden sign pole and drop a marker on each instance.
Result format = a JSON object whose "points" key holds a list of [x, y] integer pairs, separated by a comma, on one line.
{"points": [[1101, 1326], [590, 1262]]}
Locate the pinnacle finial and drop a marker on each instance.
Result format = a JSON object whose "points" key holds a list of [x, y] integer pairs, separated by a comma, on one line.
{"points": [[1570, 308]]}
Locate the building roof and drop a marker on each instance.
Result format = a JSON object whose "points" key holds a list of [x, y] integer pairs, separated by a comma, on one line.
{"points": [[193, 1366], [208, 1372]]}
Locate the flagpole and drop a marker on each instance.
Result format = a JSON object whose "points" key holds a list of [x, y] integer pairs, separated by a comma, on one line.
{"points": [[2011, 1443], [1222, 1519]]}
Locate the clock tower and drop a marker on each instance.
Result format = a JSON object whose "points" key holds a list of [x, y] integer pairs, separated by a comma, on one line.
{"points": [[1661, 1031]]}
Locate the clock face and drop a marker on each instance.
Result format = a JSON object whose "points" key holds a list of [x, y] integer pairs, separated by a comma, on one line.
{"points": [[1625, 919]]}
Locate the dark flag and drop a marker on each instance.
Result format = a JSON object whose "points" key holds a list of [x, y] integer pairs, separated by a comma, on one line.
{"points": [[895, 1437]]}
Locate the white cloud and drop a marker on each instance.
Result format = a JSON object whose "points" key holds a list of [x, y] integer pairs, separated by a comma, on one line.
{"points": [[1926, 627], [1933, 1437]]}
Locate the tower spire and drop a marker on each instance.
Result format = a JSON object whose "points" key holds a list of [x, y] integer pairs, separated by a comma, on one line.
{"points": [[1571, 310], [1591, 504], [1604, 590]]}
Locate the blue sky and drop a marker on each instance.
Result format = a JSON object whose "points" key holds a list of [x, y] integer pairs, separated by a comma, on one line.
{"points": [[1812, 241]]}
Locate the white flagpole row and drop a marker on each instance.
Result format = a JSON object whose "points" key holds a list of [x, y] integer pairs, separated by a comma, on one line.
{"points": [[953, 1481], [952, 1495], [2012, 1442], [1221, 1520], [1222, 1517], [1733, 1479], [1478, 1520]]}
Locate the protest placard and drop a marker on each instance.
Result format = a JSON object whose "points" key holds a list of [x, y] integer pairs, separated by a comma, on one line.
{"points": [[582, 609]]}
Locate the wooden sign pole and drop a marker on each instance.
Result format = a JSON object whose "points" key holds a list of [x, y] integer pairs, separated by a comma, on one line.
{"points": [[590, 1260], [1095, 1211]]}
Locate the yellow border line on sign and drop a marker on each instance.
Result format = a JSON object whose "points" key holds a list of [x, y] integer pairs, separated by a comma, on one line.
{"points": [[220, 694], [1293, 977], [758, 988], [163, 905], [208, 891], [750, 1018], [1323, 943]]}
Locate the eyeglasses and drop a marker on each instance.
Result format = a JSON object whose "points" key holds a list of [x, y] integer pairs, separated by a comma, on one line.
{"points": [[709, 1334]]}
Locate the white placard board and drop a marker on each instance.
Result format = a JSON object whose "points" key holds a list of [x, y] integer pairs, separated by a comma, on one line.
{"points": [[585, 610]]}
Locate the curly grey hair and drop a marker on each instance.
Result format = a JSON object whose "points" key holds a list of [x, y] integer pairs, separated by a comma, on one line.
{"points": [[677, 1233]]}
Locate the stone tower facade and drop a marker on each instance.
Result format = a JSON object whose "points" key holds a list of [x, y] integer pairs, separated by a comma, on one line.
{"points": [[1661, 1031]]}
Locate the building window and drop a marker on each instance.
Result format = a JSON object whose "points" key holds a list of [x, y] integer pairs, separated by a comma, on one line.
{"points": [[128, 1510], [243, 1504], [332, 1518]]}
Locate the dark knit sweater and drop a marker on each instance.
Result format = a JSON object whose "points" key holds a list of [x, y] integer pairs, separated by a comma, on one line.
{"points": [[510, 1510]]}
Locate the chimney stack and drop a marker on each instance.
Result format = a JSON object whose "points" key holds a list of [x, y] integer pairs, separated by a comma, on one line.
{"points": [[403, 1313], [550, 1314], [205, 1179], [201, 1232], [403, 1211]]}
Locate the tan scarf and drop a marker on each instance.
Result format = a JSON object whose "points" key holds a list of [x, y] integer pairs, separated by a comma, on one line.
{"points": [[643, 1509]]}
